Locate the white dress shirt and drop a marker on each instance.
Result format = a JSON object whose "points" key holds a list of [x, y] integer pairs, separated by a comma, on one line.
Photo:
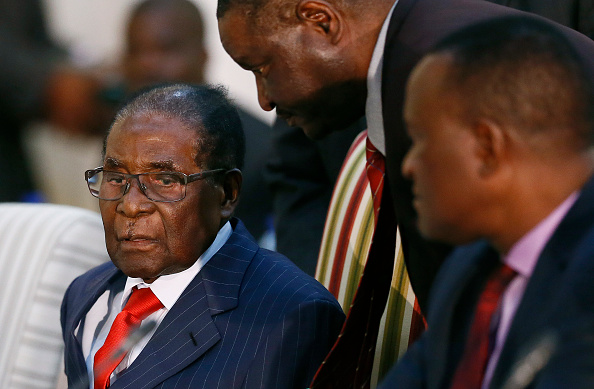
{"points": [[373, 105]]}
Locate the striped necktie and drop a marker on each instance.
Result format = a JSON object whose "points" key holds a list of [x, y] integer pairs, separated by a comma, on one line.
{"points": [[376, 171], [350, 362]]}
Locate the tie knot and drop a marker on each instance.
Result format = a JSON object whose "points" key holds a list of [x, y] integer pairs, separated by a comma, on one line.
{"points": [[142, 302], [471, 369], [376, 168], [374, 157], [503, 275]]}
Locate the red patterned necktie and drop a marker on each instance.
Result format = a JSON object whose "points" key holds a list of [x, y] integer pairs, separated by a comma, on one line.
{"points": [[350, 362], [376, 171], [471, 368], [140, 305]]}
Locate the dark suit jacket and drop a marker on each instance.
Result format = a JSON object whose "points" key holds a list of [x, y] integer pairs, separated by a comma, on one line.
{"points": [[416, 26], [301, 174], [249, 319], [577, 14], [559, 298], [255, 207]]}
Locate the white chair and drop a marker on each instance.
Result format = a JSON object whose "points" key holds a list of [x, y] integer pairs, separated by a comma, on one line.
{"points": [[43, 247]]}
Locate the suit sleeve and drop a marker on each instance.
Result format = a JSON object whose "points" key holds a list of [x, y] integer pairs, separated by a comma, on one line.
{"points": [[69, 361], [297, 346], [301, 174], [74, 364], [301, 193]]}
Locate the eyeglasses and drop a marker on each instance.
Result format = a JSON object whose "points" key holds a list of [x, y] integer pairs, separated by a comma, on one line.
{"points": [[164, 187]]}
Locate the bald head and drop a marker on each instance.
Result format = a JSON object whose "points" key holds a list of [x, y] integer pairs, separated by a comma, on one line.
{"points": [[500, 117], [523, 74]]}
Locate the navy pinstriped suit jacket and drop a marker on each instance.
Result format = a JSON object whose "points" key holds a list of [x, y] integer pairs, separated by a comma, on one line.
{"points": [[249, 319]]}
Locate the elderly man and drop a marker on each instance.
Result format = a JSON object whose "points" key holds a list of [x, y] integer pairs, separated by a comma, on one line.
{"points": [[221, 312], [507, 155]]}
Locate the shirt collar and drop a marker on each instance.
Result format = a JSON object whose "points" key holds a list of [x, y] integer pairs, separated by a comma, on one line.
{"points": [[169, 287], [524, 254], [373, 104]]}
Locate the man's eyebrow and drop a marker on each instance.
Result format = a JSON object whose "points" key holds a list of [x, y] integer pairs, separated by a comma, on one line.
{"points": [[165, 165], [112, 162]]}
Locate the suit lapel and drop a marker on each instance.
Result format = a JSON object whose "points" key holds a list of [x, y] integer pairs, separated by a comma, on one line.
{"points": [[540, 305], [88, 296], [533, 314], [466, 272], [188, 330], [186, 333]]}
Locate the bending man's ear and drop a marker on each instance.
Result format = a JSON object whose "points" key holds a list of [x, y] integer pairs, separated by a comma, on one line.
{"points": [[322, 17]]}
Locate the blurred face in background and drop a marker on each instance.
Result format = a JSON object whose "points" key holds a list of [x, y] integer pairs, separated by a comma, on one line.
{"points": [[164, 45]]}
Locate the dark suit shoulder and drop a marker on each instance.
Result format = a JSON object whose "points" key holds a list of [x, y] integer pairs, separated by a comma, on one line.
{"points": [[98, 271], [274, 268], [286, 321], [92, 278], [251, 274]]}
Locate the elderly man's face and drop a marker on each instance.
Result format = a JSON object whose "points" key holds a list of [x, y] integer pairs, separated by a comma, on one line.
{"points": [[148, 239], [298, 71]]}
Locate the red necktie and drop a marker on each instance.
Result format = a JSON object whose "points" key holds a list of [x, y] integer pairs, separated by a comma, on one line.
{"points": [[471, 369], [376, 170], [140, 305], [350, 362]]}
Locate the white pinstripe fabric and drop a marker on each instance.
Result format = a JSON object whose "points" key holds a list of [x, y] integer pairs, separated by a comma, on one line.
{"points": [[43, 247]]}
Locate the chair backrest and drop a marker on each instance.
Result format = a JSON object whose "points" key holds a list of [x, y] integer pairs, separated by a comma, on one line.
{"points": [[43, 247]]}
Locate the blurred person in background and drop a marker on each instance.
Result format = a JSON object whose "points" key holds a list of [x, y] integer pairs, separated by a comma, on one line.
{"points": [[37, 81]]}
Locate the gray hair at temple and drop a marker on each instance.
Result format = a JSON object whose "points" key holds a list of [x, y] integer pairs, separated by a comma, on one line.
{"points": [[205, 108], [523, 72]]}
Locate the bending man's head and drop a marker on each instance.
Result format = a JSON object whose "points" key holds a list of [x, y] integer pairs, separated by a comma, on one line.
{"points": [[310, 58]]}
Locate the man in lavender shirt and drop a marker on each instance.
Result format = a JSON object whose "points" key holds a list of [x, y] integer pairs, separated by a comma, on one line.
{"points": [[501, 115]]}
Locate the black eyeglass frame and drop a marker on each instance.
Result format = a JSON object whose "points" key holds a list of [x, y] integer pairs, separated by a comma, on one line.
{"points": [[187, 178]]}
